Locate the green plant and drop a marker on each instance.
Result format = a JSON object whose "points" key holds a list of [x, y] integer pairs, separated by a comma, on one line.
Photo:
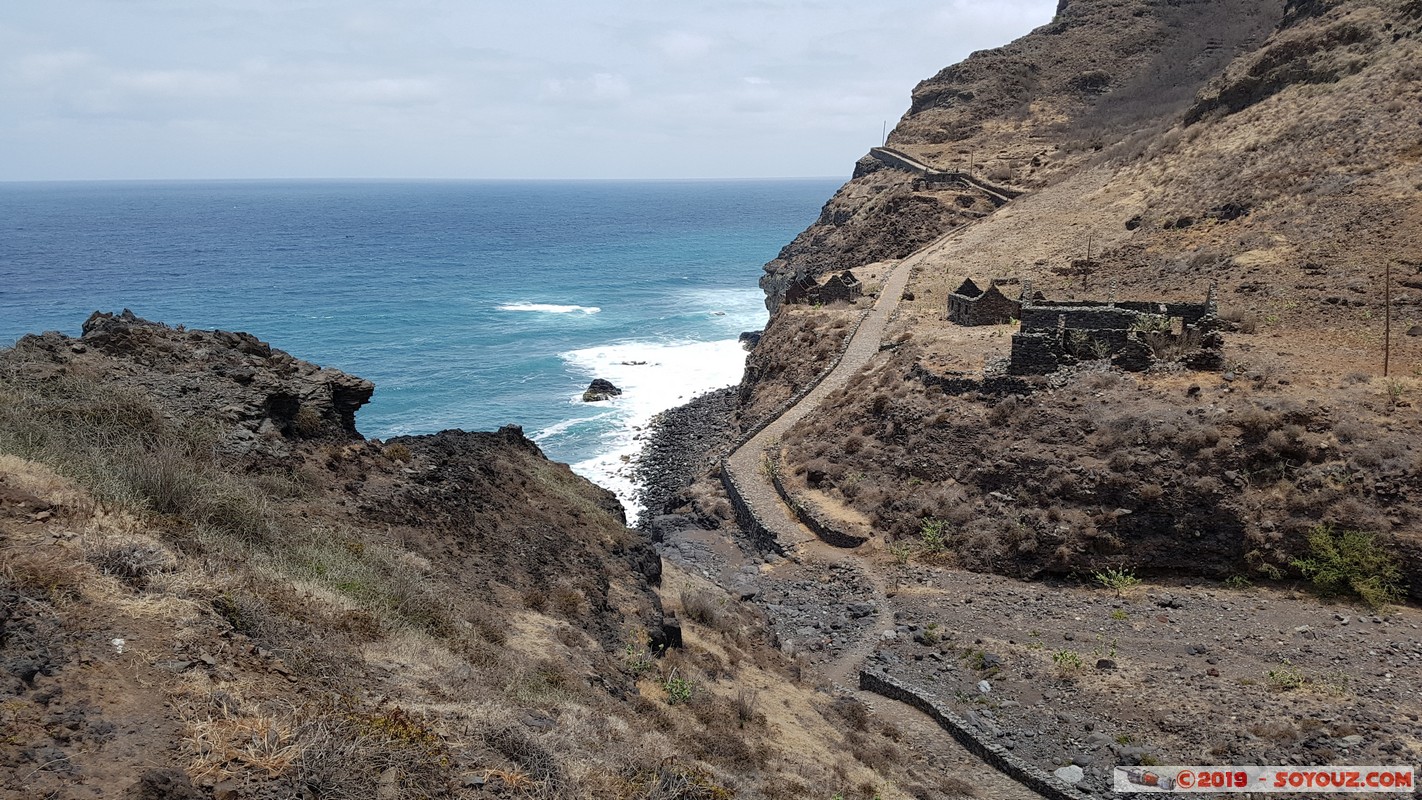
{"points": [[678, 689], [1120, 614], [1067, 661], [1118, 580], [901, 553], [1123, 738], [1238, 582], [638, 657], [1342, 562], [769, 466], [931, 634], [934, 535], [978, 660], [1151, 323], [1394, 393], [1259, 562], [1287, 677]]}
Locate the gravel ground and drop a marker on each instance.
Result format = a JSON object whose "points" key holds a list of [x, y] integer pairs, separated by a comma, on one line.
{"points": [[1166, 674]]}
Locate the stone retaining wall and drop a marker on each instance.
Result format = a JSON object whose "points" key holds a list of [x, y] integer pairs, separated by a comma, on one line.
{"points": [[1037, 780], [960, 383], [804, 391], [746, 517], [894, 158], [809, 517]]}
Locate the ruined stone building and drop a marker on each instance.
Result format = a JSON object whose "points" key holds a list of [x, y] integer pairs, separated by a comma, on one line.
{"points": [[840, 287], [969, 305], [1133, 334]]}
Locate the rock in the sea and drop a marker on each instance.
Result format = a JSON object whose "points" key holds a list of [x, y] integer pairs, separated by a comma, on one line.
{"points": [[600, 389], [749, 339]]}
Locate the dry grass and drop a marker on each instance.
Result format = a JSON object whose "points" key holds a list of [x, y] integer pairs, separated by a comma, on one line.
{"points": [[312, 654]]}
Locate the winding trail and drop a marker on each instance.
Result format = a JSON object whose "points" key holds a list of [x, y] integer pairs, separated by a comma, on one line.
{"points": [[744, 465], [745, 462]]}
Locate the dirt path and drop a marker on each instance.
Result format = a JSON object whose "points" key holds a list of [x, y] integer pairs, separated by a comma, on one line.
{"points": [[842, 671], [745, 463]]}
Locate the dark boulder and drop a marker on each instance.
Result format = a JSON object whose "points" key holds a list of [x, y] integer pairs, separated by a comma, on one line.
{"points": [[600, 389]]}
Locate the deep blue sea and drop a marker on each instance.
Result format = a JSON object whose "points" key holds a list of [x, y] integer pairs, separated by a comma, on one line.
{"points": [[470, 304]]}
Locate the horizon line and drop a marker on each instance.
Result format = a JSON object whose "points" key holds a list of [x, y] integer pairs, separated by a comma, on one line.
{"points": [[14, 181]]}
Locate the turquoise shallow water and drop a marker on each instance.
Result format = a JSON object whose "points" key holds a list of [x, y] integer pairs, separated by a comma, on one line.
{"points": [[470, 304]]}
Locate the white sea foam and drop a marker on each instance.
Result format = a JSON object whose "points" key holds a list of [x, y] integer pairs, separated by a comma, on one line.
{"points": [[547, 308], [566, 425], [733, 310], [653, 377]]}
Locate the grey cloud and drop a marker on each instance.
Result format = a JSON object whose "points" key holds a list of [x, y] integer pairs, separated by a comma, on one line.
{"points": [[454, 88]]}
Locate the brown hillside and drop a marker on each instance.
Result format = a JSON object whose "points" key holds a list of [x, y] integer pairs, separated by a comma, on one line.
{"points": [[1288, 178], [212, 587], [1025, 115]]}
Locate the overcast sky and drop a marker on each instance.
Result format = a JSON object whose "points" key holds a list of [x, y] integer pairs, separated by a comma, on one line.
{"points": [[99, 89]]}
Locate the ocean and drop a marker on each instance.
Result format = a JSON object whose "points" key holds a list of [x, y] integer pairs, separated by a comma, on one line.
{"points": [[469, 304]]}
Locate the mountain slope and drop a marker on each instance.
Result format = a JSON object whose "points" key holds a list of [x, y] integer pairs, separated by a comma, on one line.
{"points": [[1287, 178]]}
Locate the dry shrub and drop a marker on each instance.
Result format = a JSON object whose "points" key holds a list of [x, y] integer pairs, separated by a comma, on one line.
{"points": [[1383, 454], [1240, 320], [1275, 731], [43, 574], [747, 705], [723, 740], [307, 423], [873, 753], [1255, 423], [1351, 430], [681, 782], [702, 607], [1008, 413], [132, 562], [535, 599], [568, 601], [854, 713], [1099, 380], [1198, 438], [1287, 444], [488, 625], [248, 612]]}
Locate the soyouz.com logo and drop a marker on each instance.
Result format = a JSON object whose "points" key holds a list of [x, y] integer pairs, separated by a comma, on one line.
{"points": [[1398, 779]]}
